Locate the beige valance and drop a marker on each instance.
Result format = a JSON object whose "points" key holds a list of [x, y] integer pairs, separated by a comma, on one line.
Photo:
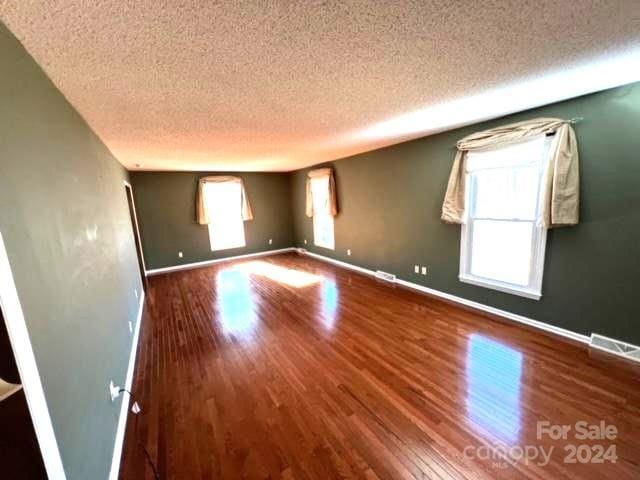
{"points": [[202, 215], [562, 179], [333, 200]]}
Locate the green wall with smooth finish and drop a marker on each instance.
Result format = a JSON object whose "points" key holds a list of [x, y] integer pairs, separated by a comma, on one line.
{"points": [[65, 223], [166, 209], [390, 202]]}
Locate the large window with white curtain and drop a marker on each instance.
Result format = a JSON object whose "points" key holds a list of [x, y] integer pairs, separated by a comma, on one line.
{"points": [[503, 237], [322, 218], [224, 204]]}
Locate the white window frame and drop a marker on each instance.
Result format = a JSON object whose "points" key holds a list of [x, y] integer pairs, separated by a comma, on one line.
{"points": [[323, 216], [318, 217], [216, 246], [539, 241]]}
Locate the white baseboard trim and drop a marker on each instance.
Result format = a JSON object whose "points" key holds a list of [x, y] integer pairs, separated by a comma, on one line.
{"points": [[124, 408], [462, 301], [350, 266], [501, 313], [187, 266]]}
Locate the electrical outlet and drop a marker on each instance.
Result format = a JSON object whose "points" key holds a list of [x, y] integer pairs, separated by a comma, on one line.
{"points": [[180, 254], [130, 327], [424, 270], [416, 268], [270, 241], [114, 391], [135, 292], [349, 251], [305, 241]]}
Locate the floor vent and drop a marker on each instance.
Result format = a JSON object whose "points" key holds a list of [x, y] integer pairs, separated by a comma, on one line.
{"points": [[616, 347], [389, 277]]}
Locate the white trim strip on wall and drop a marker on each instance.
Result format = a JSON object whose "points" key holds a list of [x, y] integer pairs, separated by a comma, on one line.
{"points": [[124, 408], [463, 301], [137, 238], [187, 266], [29, 375]]}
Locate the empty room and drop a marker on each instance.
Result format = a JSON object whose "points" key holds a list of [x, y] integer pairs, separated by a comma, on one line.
{"points": [[319, 240]]}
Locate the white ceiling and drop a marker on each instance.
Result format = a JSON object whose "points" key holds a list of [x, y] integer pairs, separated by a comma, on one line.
{"points": [[279, 85]]}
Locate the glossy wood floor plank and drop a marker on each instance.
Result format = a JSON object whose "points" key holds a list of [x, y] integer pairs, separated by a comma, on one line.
{"points": [[286, 367]]}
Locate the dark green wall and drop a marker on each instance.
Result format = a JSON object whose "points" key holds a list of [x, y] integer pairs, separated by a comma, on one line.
{"points": [[64, 219], [165, 203], [391, 199]]}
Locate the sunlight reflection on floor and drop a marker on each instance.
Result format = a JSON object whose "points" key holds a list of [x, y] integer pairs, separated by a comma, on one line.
{"points": [[494, 374], [330, 296], [287, 276], [238, 306], [235, 302]]}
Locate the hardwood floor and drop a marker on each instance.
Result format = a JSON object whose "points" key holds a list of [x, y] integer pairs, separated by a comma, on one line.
{"points": [[286, 367]]}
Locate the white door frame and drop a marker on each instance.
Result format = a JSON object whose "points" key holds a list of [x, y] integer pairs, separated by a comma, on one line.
{"points": [[136, 237], [26, 362]]}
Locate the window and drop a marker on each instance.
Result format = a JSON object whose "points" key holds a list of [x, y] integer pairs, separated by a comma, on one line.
{"points": [[224, 204], [503, 239], [322, 218]]}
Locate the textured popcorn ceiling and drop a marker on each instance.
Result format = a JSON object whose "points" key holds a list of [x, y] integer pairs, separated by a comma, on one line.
{"points": [[278, 85]]}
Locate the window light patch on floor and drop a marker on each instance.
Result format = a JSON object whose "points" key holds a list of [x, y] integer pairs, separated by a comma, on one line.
{"points": [[235, 302], [288, 276], [494, 376], [330, 297]]}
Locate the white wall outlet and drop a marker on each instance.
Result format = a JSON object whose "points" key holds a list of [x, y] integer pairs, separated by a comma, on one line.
{"points": [[270, 241], [416, 268], [135, 292], [130, 326], [424, 270], [114, 391], [305, 241], [349, 251], [180, 254]]}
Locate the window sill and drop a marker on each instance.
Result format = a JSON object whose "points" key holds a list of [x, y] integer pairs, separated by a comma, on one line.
{"points": [[501, 287], [222, 248], [332, 247]]}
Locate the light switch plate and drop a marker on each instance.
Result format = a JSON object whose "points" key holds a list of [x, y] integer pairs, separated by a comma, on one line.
{"points": [[416, 268]]}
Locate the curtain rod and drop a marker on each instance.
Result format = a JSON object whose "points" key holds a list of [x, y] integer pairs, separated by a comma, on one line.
{"points": [[571, 121]]}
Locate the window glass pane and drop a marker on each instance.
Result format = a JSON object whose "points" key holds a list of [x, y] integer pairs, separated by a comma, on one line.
{"points": [[502, 250], [320, 193], [323, 230], [226, 227], [508, 193], [322, 220], [526, 153]]}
